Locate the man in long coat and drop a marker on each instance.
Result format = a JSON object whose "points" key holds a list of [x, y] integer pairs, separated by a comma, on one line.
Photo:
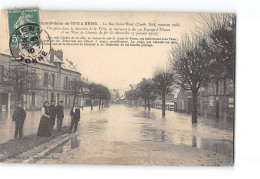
{"points": [[19, 116], [75, 117]]}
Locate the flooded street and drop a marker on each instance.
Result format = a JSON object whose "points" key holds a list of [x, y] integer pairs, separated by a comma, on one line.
{"points": [[124, 135]]}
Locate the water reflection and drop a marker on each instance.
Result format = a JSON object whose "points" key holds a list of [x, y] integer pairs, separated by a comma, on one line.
{"points": [[74, 142], [146, 114], [218, 146], [152, 134], [194, 141], [70, 144], [135, 125]]}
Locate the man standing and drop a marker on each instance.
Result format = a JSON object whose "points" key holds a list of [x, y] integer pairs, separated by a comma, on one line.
{"points": [[19, 116], [60, 115], [53, 114], [75, 117]]}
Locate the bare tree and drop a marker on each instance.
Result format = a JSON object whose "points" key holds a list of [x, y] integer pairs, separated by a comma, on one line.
{"points": [[221, 30], [148, 91], [133, 95], [104, 95], [91, 92], [163, 80], [191, 61], [75, 89], [20, 81]]}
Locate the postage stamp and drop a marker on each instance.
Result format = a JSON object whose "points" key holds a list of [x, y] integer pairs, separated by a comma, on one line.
{"points": [[28, 42], [19, 17]]}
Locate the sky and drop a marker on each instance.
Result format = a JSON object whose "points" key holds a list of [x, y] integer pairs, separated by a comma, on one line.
{"points": [[118, 67]]}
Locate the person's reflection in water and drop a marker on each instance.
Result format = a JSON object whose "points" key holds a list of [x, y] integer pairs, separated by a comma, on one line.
{"points": [[194, 141], [162, 137], [74, 142], [194, 138]]}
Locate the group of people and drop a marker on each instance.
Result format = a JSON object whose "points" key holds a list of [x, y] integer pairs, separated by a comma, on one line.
{"points": [[49, 114], [48, 118]]}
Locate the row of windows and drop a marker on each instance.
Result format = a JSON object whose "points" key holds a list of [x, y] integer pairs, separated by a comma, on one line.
{"points": [[224, 87], [220, 87], [51, 80], [45, 98]]}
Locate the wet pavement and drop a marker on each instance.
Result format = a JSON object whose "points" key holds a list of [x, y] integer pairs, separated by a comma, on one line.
{"points": [[125, 135]]}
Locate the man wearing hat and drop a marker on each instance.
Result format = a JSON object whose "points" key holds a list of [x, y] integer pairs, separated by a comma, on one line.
{"points": [[75, 117], [60, 115], [53, 114], [19, 116]]}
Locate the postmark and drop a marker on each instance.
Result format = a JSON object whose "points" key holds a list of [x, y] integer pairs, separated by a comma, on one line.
{"points": [[28, 42]]}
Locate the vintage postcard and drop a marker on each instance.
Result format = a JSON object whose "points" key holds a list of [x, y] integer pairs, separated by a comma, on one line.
{"points": [[117, 88]]}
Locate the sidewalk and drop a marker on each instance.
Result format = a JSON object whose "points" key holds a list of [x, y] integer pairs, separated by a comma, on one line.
{"points": [[14, 147]]}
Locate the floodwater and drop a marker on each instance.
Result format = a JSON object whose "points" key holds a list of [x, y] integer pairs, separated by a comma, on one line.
{"points": [[120, 124]]}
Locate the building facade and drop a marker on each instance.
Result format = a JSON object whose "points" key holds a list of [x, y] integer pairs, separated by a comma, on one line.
{"points": [[54, 75], [215, 100]]}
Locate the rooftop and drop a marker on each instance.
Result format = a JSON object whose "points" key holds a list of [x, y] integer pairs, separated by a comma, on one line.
{"points": [[65, 64]]}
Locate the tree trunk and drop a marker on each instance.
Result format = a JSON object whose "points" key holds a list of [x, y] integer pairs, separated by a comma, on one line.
{"points": [[194, 106], [145, 103], [163, 104], [102, 104], [99, 104], [91, 105], [149, 105]]}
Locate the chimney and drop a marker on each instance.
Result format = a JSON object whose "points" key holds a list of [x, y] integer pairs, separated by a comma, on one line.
{"points": [[59, 54], [52, 55]]}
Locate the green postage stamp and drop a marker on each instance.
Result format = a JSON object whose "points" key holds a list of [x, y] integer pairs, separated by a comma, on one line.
{"points": [[19, 17], [27, 40]]}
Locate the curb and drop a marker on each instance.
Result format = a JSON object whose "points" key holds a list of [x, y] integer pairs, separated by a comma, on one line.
{"points": [[40, 151]]}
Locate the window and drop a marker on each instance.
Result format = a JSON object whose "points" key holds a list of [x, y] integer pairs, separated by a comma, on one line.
{"points": [[58, 97], [33, 99], [52, 97], [1, 73], [182, 104], [58, 80], [53, 79], [59, 67], [231, 102], [221, 87], [217, 87], [66, 82], [66, 99], [211, 101], [45, 79], [33, 70], [45, 96], [230, 87]]}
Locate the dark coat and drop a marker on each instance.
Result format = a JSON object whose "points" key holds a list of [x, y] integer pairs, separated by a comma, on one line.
{"points": [[44, 129], [19, 114], [52, 110], [75, 114], [60, 111]]}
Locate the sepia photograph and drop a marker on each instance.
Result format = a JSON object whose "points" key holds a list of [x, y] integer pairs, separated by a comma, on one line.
{"points": [[117, 88]]}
